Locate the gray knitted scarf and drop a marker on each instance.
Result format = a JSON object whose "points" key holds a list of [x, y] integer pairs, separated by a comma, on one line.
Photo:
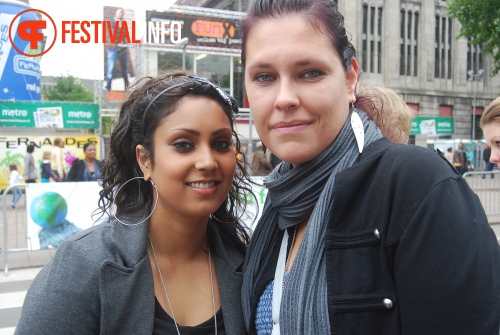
{"points": [[292, 194]]}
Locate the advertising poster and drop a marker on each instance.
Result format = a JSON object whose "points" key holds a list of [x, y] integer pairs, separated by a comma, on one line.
{"points": [[164, 27], [119, 54], [55, 211], [55, 115], [428, 125], [13, 149], [19, 74]]}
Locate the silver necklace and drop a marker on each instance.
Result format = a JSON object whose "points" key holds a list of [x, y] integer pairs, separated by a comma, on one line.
{"points": [[166, 293]]}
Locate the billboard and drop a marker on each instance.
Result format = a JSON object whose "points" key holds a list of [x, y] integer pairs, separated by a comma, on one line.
{"points": [[13, 150], [167, 28], [119, 56], [55, 211], [27, 114], [19, 74], [431, 125]]}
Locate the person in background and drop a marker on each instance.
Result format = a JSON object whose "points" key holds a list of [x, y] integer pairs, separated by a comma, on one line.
{"points": [[487, 165], [358, 235], [389, 111], [470, 159], [47, 172], [30, 173], [260, 163], [459, 161], [57, 162], [15, 179], [169, 259], [490, 124], [87, 169], [449, 155]]}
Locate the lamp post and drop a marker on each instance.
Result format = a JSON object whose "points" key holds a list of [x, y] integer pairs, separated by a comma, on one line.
{"points": [[184, 43], [475, 78]]}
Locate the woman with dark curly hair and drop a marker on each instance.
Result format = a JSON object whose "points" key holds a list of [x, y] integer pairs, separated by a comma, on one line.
{"points": [[169, 260]]}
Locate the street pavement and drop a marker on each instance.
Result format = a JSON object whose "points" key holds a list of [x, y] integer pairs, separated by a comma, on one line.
{"points": [[12, 292]]}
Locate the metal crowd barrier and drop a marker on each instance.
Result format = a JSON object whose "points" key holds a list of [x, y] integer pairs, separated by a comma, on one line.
{"points": [[486, 184], [17, 216]]}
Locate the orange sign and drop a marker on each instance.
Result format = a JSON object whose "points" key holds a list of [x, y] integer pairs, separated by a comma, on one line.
{"points": [[217, 29], [117, 95]]}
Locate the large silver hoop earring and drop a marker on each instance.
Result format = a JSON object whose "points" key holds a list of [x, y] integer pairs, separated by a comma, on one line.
{"points": [[154, 207]]}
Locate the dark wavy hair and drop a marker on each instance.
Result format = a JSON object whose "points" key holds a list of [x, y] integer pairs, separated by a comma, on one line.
{"points": [[322, 14], [134, 127]]}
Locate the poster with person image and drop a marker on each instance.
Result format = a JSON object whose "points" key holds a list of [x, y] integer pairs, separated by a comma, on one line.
{"points": [[119, 54]]}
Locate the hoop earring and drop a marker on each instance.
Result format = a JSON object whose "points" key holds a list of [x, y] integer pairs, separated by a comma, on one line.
{"points": [[213, 217], [156, 203]]}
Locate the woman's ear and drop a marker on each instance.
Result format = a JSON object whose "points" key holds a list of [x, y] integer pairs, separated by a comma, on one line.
{"points": [[352, 80], [144, 161]]}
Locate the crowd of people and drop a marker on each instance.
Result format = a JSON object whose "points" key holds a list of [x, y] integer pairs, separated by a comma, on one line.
{"points": [[360, 233]]}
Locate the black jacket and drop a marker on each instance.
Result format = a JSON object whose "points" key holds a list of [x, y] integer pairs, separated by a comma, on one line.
{"points": [[408, 249], [77, 170]]}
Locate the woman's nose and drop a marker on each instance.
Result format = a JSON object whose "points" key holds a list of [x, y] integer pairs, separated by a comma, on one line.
{"points": [[206, 160], [286, 96]]}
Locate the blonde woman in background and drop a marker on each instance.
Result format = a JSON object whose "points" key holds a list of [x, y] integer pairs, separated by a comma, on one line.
{"points": [[490, 124], [389, 111]]}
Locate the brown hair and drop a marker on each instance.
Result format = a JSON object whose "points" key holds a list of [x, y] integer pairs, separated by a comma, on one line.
{"points": [[322, 14], [491, 113]]}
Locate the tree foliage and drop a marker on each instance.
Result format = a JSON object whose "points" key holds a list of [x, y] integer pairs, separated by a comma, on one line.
{"points": [[67, 89], [480, 20]]}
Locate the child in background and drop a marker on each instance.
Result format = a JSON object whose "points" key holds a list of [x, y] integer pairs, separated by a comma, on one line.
{"points": [[14, 179], [47, 172]]}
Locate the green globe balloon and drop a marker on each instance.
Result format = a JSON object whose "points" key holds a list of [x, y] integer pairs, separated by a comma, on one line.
{"points": [[49, 209]]}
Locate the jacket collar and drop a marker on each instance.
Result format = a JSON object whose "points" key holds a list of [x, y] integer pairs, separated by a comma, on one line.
{"points": [[132, 239], [376, 148]]}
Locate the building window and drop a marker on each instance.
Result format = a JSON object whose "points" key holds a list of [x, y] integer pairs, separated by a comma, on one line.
{"points": [[372, 39], [442, 48], [415, 47], [474, 57], [436, 48], [402, 44], [415, 107], [379, 41], [364, 54], [449, 48], [409, 43], [445, 110]]}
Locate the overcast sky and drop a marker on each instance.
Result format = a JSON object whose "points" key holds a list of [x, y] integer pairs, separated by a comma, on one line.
{"points": [[85, 60]]}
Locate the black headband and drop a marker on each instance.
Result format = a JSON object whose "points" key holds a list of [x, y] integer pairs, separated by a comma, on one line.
{"points": [[230, 101]]}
